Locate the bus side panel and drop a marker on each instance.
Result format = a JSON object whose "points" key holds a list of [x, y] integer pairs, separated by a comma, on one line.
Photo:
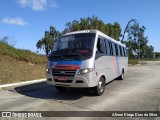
{"points": [[105, 66], [123, 63]]}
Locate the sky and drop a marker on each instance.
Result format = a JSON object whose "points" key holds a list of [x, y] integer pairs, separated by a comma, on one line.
{"points": [[25, 21]]}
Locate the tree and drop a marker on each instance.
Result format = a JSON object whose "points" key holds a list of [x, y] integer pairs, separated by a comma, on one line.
{"points": [[101, 26], [8, 41], [84, 23], [137, 42], [46, 43], [4, 40], [157, 54], [150, 52], [94, 23], [117, 30], [90, 23]]}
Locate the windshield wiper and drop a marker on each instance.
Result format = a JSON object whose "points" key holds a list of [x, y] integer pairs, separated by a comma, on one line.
{"points": [[77, 54], [58, 56], [80, 55]]}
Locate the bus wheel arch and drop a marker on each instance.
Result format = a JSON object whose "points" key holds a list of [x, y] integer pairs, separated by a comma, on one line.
{"points": [[100, 88], [121, 77], [103, 78]]}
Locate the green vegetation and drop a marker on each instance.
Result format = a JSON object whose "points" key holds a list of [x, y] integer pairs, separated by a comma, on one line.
{"points": [[46, 43], [20, 65], [150, 59], [133, 61], [13, 71], [94, 23], [157, 55], [137, 43], [141, 61], [21, 55]]}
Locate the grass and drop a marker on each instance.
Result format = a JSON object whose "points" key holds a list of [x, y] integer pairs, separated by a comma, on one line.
{"points": [[22, 55], [150, 59], [136, 61], [133, 61], [13, 71], [18, 65]]}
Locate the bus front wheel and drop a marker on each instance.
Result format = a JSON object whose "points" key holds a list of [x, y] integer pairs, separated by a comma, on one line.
{"points": [[99, 89]]}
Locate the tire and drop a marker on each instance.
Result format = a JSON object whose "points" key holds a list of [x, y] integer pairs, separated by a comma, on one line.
{"points": [[60, 89], [100, 88], [121, 77]]}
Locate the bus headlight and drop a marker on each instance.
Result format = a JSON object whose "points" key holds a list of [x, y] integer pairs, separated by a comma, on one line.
{"points": [[47, 70], [85, 71]]}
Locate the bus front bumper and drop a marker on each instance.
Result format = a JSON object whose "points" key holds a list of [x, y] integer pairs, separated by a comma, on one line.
{"points": [[77, 82]]}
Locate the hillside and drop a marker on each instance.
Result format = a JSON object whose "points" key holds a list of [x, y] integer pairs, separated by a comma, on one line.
{"points": [[20, 65]]}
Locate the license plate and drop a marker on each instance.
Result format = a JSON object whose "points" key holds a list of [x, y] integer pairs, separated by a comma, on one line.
{"points": [[62, 78]]}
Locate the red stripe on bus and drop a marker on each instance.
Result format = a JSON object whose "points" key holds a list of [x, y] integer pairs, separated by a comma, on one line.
{"points": [[115, 65], [67, 67]]}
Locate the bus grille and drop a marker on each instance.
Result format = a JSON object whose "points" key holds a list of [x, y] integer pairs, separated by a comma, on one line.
{"points": [[63, 72], [68, 73], [67, 81]]}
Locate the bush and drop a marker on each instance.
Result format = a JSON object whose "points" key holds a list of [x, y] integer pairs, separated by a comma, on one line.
{"points": [[133, 61]]}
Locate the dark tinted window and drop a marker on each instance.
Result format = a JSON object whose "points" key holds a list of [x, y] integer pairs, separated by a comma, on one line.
{"points": [[116, 49], [124, 51], [107, 47], [120, 50], [111, 48], [75, 41], [75, 46], [101, 45]]}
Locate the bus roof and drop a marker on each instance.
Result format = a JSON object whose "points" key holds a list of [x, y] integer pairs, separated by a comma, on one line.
{"points": [[97, 32]]}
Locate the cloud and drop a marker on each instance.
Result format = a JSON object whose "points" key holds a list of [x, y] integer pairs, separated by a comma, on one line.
{"points": [[37, 5], [15, 21]]}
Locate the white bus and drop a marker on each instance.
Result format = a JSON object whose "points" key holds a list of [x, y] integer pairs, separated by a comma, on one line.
{"points": [[85, 59]]}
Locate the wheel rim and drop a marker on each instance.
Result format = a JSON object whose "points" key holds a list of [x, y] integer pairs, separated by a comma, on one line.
{"points": [[101, 85]]}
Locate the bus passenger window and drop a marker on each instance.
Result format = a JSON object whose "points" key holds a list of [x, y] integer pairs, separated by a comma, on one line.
{"points": [[120, 51], [107, 47], [100, 46], [116, 49], [111, 49], [124, 52]]}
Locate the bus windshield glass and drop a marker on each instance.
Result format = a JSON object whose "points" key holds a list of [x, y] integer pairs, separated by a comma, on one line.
{"points": [[75, 46]]}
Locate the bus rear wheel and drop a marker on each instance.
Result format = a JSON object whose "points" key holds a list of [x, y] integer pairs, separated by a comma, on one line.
{"points": [[122, 76], [100, 88]]}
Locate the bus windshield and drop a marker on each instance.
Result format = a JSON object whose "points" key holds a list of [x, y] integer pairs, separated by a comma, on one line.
{"points": [[75, 46]]}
